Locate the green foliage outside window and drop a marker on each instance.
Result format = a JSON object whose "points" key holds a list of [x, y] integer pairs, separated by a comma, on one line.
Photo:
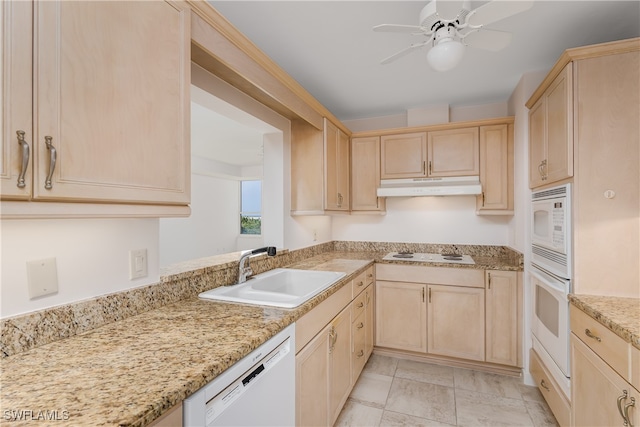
{"points": [[250, 225]]}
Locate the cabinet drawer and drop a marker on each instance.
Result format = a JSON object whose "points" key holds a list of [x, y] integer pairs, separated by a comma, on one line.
{"points": [[550, 390], [431, 275], [358, 357], [635, 367], [606, 344], [358, 305], [362, 281]]}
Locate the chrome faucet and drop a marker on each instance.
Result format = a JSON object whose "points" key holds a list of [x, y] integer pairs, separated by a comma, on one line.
{"points": [[244, 269]]}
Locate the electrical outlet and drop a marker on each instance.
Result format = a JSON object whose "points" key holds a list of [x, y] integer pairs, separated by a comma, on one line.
{"points": [[137, 264], [42, 277]]}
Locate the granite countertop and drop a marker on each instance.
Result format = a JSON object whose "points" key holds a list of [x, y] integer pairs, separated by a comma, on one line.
{"points": [[620, 315], [132, 371]]}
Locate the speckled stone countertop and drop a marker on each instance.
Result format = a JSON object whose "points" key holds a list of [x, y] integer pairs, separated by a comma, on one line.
{"points": [[132, 371], [620, 315]]}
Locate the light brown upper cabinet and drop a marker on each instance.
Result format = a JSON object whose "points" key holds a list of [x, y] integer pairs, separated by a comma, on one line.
{"points": [[365, 175], [551, 132], [320, 169], [403, 155], [101, 98], [337, 166], [496, 170], [453, 152]]}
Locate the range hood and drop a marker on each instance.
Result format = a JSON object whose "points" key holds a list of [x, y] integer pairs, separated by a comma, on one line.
{"points": [[412, 187]]}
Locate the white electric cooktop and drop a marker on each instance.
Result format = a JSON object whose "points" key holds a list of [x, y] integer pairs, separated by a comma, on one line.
{"points": [[424, 257]]}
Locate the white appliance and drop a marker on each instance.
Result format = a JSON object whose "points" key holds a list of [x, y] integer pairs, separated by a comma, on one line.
{"points": [[426, 257], [551, 279], [259, 390], [411, 187], [551, 230]]}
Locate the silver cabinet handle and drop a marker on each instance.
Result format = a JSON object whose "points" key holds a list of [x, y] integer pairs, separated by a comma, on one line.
{"points": [[360, 325], [25, 158], [622, 397], [544, 385], [360, 305], [332, 339], [542, 169], [429, 167], [339, 200], [53, 155], [588, 333], [360, 283], [627, 418]]}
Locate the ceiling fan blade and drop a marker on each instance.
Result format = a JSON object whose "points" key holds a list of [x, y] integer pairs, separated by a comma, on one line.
{"points": [[492, 40], [449, 9], [391, 28], [497, 10], [403, 52]]}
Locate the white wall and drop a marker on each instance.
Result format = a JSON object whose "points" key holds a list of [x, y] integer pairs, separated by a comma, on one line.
{"points": [[92, 258], [449, 219], [211, 229]]}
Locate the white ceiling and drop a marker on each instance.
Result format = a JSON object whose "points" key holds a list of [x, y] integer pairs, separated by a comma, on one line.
{"points": [[330, 49]]}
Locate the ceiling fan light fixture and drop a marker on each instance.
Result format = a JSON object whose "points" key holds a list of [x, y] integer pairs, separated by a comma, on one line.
{"points": [[446, 54]]}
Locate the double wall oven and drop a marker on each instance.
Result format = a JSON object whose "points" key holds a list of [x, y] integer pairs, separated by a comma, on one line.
{"points": [[551, 278]]}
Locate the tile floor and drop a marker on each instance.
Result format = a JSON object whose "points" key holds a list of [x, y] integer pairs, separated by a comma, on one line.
{"points": [[397, 392]]}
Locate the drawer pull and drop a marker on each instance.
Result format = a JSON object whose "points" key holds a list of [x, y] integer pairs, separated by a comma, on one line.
{"points": [[627, 418], [544, 385], [622, 397], [360, 354], [360, 325], [588, 333], [53, 155], [360, 283], [24, 146], [360, 305]]}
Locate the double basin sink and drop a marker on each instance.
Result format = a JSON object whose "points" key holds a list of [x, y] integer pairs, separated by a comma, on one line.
{"points": [[280, 287]]}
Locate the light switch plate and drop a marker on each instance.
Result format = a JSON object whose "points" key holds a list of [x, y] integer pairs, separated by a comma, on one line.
{"points": [[137, 264], [42, 277]]}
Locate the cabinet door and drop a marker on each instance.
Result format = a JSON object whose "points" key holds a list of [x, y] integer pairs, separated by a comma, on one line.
{"points": [[502, 317], [403, 156], [456, 321], [559, 118], [16, 99], [496, 169], [307, 169], [112, 95], [312, 381], [453, 152], [537, 143], [365, 174], [336, 174], [597, 390], [401, 316], [339, 363]]}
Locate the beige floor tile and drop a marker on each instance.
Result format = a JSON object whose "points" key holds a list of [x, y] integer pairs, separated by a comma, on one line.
{"points": [[372, 389], [541, 414], [484, 382], [356, 414], [424, 400], [425, 372], [395, 419], [530, 393], [381, 365], [481, 409]]}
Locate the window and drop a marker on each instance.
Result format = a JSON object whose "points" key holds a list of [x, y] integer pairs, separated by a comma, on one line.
{"points": [[250, 207]]}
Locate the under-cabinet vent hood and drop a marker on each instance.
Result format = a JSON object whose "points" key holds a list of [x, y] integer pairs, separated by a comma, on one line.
{"points": [[412, 187]]}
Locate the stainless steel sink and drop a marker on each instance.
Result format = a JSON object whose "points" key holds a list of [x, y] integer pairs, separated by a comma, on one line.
{"points": [[281, 287]]}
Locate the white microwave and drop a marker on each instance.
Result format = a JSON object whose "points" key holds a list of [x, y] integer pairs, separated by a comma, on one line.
{"points": [[551, 230]]}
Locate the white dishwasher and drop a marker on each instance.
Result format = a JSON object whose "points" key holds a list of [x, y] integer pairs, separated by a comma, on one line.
{"points": [[259, 390]]}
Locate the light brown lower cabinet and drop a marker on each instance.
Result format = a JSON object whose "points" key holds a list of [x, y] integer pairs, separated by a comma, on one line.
{"points": [[455, 319], [467, 314], [600, 397]]}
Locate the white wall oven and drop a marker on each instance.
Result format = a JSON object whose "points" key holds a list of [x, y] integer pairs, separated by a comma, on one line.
{"points": [[551, 278]]}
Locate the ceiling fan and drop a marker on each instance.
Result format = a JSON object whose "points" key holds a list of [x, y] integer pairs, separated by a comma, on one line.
{"points": [[450, 25]]}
